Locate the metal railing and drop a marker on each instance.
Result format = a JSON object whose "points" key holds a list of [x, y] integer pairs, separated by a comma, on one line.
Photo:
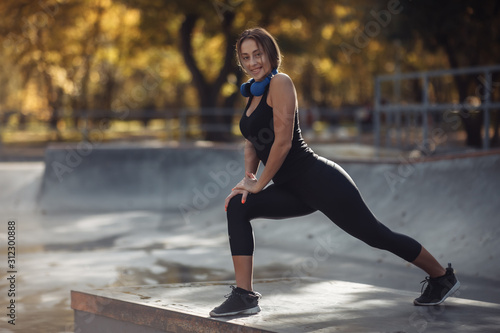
{"points": [[419, 112]]}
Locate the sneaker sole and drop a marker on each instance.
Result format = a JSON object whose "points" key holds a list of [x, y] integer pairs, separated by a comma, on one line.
{"points": [[250, 311], [448, 294]]}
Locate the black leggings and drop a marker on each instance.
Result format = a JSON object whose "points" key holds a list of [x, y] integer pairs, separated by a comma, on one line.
{"points": [[325, 187]]}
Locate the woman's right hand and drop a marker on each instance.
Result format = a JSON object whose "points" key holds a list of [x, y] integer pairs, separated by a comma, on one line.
{"points": [[235, 192]]}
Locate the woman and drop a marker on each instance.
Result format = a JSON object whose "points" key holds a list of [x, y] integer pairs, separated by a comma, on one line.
{"points": [[303, 182]]}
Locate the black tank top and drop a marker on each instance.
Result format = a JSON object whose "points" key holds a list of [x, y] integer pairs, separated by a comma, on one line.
{"points": [[258, 128]]}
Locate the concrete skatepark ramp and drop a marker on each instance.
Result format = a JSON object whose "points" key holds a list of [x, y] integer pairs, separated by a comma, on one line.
{"points": [[449, 204], [110, 179], [147, 216], [445, 203]]}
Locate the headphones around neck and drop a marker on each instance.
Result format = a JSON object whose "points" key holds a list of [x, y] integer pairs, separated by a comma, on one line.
{"points": [[251, 87]]}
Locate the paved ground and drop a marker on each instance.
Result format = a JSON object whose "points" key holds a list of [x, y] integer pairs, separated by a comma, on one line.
{"points": [[134, 217]]}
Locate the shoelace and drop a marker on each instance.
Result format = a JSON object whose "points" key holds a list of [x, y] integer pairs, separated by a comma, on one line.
{"points": [[426, 282], [231, 293]]}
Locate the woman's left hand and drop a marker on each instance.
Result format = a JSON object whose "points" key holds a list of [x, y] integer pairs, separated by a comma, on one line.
{"points": [[249, 183]]}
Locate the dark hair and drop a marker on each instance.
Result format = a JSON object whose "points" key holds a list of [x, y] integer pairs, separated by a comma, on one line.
{"points": [[263, 39]]}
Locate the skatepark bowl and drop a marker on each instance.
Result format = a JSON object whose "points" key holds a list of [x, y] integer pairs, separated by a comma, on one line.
{"points": [[137, 220]]}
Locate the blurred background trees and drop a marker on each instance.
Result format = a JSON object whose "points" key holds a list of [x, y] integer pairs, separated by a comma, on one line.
{"points": [[467, 33], [64, 60]]}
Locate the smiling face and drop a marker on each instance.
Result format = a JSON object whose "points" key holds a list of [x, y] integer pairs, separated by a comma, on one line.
{"points": [[254, 60]]}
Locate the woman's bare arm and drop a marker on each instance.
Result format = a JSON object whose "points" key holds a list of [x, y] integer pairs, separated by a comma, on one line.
{"points": [[251, 159], [283, 100]]}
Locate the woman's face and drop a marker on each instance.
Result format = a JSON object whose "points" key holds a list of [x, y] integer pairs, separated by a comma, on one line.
{"points": [[254, 59]]}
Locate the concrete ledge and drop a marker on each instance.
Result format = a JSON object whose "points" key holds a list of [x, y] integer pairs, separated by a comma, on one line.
{"points": [[288, 305], [102, 179], [101, 314]]}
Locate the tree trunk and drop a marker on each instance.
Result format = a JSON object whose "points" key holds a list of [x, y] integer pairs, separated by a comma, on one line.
{"points": [[472, 122], [229, 103], [208, 93], [89, 50], [53, 94], [495, 119]]}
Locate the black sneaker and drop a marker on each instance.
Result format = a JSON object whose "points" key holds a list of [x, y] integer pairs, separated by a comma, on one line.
{"points": [[239, 301], [438, 289]]}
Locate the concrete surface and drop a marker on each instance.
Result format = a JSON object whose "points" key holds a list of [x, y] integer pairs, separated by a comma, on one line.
{"points": [[448, 205], [288, 306], [90, 178], [20, 183]]}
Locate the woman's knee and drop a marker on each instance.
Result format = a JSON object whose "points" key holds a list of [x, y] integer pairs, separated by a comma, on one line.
{"points": [[378, 237], [399, 244], [376, 242], [235, 206]]}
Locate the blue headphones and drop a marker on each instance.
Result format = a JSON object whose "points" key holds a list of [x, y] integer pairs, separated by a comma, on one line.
{"points": [[251, 87]]}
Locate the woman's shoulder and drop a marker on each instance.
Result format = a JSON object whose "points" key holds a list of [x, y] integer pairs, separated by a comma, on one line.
{"points": [[281, 81], [281, 91], [281, 77]]}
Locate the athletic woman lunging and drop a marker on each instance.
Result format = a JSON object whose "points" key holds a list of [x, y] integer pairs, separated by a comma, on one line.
{"points": [[303, 182]]}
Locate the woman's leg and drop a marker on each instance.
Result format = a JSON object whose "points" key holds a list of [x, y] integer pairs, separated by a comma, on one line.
{"points": [[274, 203], [331, 190], [243, 271], [429, 264]]}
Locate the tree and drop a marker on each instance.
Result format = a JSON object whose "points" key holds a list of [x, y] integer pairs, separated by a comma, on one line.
{"points": [[296, 28], [208, 23], [28, 36], [208, 92], [79, 55], [42, 41]]}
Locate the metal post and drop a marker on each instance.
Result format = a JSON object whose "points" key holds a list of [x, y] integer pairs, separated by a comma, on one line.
{"points": [[388, 127], [182, 125], [404, 129], [425, 103], [376, 117], [85, 129], [168, 127], [397, 91], [486, 110], [1, 142], [398, 127]]}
